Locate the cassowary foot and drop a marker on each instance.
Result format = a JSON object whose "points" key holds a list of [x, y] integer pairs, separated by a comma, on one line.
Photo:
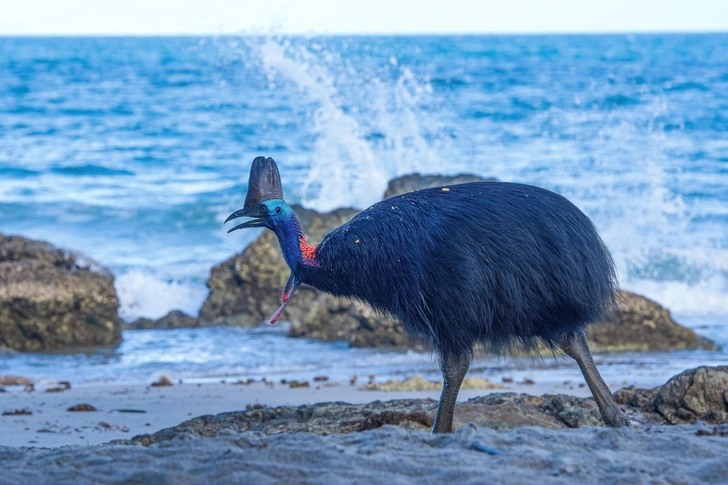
{"points": [[615, 418], [441, 428]]}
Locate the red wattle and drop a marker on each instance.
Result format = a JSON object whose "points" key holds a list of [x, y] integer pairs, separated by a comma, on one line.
{"points": [[307, 251]]}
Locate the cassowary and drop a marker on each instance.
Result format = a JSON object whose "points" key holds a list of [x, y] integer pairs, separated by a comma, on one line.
{"points": [[485, 263]]}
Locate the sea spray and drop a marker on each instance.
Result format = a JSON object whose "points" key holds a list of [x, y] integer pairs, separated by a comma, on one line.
{"points": [[147, 295], [361, 143]]}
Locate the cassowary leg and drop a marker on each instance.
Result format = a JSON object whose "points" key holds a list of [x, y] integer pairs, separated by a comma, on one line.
{"points": [[576, 347], [453, 373]]}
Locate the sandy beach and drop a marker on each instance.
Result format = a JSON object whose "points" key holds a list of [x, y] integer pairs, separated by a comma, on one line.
{"points": [[52, 425]]}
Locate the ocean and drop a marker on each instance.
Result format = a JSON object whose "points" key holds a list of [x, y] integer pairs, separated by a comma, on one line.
{"points": [[134, 151]]}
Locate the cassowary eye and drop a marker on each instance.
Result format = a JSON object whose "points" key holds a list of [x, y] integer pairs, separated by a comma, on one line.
{"points": [[278, 210], [263, 209]]}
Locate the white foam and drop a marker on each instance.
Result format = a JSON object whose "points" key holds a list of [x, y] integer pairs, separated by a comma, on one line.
{"points": [[146, 295], [705, 298]]}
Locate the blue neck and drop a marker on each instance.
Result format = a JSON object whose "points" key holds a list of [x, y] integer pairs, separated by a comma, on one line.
{"points": [[295, 250]]}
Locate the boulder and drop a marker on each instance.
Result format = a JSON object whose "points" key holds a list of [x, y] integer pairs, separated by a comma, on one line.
{"points": [[640, 324], [50, 298], [331, 318], [173, 319], [696, 394]]}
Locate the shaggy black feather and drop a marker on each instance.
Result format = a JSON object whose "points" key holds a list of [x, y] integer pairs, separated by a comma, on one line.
{"points": [[484, 262]]}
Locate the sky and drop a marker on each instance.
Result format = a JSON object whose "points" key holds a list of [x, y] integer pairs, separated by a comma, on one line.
{"points": [[170, 17]]}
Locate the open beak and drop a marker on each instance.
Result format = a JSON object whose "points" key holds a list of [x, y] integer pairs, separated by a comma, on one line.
{"points": [[259, 220]]}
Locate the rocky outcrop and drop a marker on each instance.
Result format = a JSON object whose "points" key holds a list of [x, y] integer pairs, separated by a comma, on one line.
{"points": [[640, 324], [699, 393], [508, 410], [696, 394], [173, 319], [50, 298], [330, 318]]}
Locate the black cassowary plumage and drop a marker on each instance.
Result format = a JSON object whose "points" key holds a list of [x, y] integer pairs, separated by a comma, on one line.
{"points": [[479, 263], [482, 262]]}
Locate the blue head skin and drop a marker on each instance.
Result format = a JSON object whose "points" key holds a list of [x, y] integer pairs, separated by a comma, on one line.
{"points": [[278, 216]]}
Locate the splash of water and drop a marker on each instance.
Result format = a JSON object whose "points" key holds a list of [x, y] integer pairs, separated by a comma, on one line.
{"points": [[151, 296], [353, 156]]}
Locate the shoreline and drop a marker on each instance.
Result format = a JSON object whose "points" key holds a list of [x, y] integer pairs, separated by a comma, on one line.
{"points": [[51, 425], [260, 432]]}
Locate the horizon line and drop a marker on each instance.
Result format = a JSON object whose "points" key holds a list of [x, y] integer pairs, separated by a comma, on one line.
{"points": [[367, 34]]}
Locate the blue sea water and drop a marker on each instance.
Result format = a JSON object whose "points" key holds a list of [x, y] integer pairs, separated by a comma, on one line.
{"points": [[134, 150]]}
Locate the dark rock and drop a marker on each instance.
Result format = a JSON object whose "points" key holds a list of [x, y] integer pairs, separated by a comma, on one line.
{"points": [[696, 394], [51, 298], [17, 412], [331, 318], [81, 408], [640, 324], [163, 382], [174, 319], [497, 411]]}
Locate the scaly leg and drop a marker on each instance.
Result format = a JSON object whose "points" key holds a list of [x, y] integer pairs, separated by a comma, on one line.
{"points": [[453, 373], [576, 347]]}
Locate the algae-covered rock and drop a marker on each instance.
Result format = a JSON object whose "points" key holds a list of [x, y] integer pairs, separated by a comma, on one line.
{"points": [[50, 298], [331, 318], [696, 394], [498, 411], [640, 324]]}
